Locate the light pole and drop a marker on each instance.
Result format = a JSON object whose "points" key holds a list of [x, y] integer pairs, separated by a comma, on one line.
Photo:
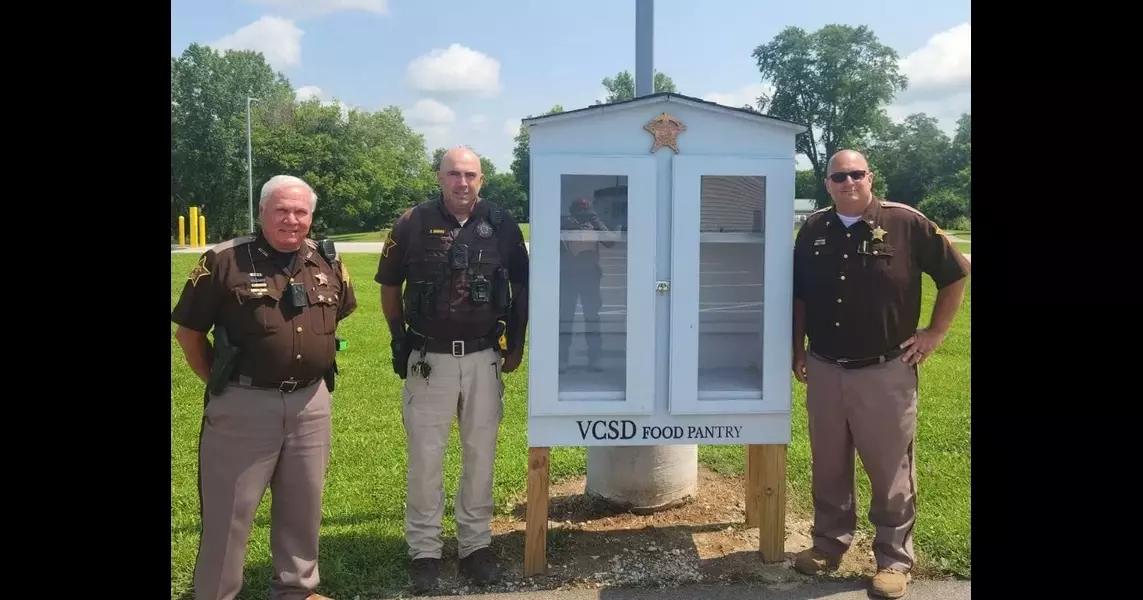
{"points": [[250, 162]]}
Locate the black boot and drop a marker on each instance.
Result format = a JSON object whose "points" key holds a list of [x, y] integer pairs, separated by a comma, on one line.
{"points": [[424, 573], [480, 567]]}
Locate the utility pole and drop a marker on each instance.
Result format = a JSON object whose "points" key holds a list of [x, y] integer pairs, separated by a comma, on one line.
{"points": [[250, 162], [643, 478]]}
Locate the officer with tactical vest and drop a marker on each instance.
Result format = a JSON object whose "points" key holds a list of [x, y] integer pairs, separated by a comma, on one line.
{"points": [[465, 269], [274, 300]]}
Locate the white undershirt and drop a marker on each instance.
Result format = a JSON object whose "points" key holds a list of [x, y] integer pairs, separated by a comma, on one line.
{"points": [[462, 221], [848, 221]]}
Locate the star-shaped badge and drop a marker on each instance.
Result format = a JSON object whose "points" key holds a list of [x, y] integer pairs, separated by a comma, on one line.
{"points": [[665, 128], [321, 279], [879, 234]]}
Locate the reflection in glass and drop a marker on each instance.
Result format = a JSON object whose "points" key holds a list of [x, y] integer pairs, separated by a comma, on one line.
{"points": [[593, 285], [730, 275]]}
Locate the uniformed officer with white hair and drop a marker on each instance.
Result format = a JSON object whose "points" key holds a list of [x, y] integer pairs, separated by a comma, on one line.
{"points": [[274, 300]]}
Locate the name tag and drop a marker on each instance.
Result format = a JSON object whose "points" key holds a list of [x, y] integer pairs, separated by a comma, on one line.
{"points": [[819, 242]]}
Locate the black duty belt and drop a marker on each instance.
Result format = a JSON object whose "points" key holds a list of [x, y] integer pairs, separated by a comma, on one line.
{"points": [[285, 387], [453, 347], [860, 363]]}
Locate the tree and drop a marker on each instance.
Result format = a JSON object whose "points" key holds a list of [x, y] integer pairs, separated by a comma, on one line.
{"points": [[622, 86], [912, 156], [505, 191], [366, 167], [208, 131], [486, 166], [837, 81], [522, 153]]}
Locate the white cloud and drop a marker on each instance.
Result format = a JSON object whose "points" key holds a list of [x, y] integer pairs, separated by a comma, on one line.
{"points": [[747, 94], [940, 78], [314, 8], [427, 111], [943, 63], [456, 70], [434, 120], [512, 128], [311, 92], [940, 81], [280, 40], [478, 123]]}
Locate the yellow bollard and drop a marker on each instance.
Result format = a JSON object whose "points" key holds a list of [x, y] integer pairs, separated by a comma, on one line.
{"points": [[202, 231], [194, 227], [182, 230]]}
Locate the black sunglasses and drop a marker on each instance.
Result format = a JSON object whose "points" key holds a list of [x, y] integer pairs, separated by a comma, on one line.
{"points": [[840, 177]]}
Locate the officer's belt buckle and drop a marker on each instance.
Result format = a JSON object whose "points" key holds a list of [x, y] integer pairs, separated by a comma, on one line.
{"points": [[458, 348], [293, 385]]}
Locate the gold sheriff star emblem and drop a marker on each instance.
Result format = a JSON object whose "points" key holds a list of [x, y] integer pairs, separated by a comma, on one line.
{"points": [[666, 129], [879, 234]]}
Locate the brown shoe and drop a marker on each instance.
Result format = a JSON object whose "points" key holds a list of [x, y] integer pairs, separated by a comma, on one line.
{"points": [[815, 562], [890, 583]]}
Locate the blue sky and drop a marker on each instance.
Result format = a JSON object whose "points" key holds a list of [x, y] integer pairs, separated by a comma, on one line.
{"points": [[466, 72]]}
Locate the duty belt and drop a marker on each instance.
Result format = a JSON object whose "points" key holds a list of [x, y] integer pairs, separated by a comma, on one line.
{"points": [[285, 387], [860, 363], [454, 347]]}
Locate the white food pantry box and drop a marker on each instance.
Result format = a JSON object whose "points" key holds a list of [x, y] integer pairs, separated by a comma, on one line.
{"points": [[661, 275]]}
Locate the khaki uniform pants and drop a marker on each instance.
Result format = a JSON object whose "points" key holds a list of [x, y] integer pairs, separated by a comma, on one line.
{"points": [[251, 439], [470, 388], [872, 410]]}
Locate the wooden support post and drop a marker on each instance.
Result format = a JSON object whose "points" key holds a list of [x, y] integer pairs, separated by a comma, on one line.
{"points": [[536, 518], [753, 483], [766, 489]]}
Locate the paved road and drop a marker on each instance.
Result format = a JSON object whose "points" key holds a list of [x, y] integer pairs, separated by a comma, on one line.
{"points": [[810, 590]]}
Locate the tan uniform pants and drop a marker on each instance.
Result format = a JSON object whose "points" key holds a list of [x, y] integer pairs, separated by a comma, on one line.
{"points": [[872, 410], [470, 388], [251, 439]]}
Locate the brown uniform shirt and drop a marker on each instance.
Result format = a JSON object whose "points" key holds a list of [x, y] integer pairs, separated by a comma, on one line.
{"points": [[243, 285], [430, 229], [862, 285]]}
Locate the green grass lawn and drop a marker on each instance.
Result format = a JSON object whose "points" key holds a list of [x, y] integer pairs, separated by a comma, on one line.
{"points": [[363, 550], [965, 248]]}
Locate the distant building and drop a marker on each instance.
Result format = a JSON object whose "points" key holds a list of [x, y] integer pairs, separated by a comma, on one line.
{"points": [[802, 209]]}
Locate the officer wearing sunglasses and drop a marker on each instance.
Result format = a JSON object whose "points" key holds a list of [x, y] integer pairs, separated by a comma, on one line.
{"points": [[857, 297]]}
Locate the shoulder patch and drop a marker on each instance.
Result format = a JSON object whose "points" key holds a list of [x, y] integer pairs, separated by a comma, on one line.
{"points": [[386, 246], [344, 272], [199, 271], [234, 243]]}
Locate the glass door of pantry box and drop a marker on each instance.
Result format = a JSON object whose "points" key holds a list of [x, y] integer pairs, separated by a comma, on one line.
{"points": [[592, 291], [731, 292]]}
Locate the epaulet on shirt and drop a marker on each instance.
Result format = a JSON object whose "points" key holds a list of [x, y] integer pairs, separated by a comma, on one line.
{"points": [[924, 217], [888, 204], [233, 243], [817, 213], [311, 243]]}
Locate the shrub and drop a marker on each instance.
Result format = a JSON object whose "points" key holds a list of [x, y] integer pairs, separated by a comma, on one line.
{"points": [[945, 207]]}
